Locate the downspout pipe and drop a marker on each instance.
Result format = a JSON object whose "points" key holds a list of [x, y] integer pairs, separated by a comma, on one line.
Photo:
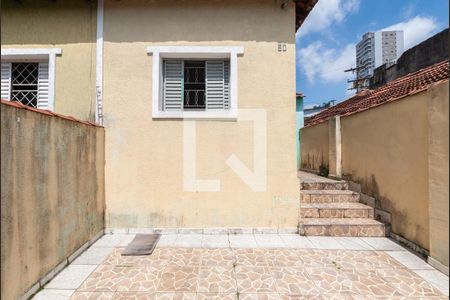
{"points": [[99, 65]]}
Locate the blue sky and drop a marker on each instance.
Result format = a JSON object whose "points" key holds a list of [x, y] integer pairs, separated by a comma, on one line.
{"points": [[326, 41]]}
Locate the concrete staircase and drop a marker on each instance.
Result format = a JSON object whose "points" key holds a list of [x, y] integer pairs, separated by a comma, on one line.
{"points": [[329, 208]]}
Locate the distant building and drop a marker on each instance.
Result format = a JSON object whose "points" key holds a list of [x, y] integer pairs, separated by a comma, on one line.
{"points": [[311, 110], [433, 50], [376, 49]]}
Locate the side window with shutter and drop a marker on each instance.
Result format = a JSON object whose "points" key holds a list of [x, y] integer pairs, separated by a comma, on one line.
{"points": [[26, 82], [196, 85]]}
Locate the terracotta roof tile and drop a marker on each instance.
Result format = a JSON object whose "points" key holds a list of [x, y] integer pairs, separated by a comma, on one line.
{"points": [[410, 84], [302, 10], [46, 112]]}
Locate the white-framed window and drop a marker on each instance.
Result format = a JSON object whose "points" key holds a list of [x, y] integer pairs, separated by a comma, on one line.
{"points": [[194, 82], [28, 76]]}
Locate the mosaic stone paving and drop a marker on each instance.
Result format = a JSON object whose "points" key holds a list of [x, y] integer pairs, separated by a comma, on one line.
{"points": [[247, 274]]}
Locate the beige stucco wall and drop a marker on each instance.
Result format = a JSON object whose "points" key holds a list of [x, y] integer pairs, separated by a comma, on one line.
{"points": [[52, 193], [69, 25], [438, 117], [314, 146], [385, 149], [144, 157]]}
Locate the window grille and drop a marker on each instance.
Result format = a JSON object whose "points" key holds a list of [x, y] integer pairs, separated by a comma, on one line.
{"points": [[24, 83], [27, 83], [196, 85]]}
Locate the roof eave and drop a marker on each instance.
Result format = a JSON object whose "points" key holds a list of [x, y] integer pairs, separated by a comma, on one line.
{"points": [[302, 10]]}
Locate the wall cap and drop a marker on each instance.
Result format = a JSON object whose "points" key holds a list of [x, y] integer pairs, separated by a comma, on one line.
{"points": [[19, 105]]}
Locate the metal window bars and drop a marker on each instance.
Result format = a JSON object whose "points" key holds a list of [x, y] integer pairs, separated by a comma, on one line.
{"points": [[24, 83], [194, 85], [194, 99]]}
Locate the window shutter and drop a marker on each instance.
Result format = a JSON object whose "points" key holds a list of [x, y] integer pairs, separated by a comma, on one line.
{"points": [[43, 86], [6, 81], [226, 93], [173, 85], [215, 85]]}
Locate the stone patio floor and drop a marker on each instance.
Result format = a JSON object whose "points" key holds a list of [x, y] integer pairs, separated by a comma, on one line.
{"points": [[249, 266]]}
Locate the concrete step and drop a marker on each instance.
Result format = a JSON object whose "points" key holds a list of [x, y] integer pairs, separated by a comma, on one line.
{"points": [[341, 227], [328, 196], [324, 185], [335, 210]]}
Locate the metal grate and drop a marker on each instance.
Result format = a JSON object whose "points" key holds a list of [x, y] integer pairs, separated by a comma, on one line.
{"points": [[24, 83], [194, 85]]}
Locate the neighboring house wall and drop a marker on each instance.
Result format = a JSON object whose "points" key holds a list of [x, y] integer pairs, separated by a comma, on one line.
{"points": [[68, 25], [52, 183], [385, 150], [144, 156], [427, 53], [314, 146], [299, 124], [438, 171], [401, 160]]}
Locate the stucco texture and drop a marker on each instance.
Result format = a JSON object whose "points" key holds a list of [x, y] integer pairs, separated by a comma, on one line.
{"points": [[69, 25], [52, 193], [314, 145], [385, 149], [144, 156], [438, 176]]}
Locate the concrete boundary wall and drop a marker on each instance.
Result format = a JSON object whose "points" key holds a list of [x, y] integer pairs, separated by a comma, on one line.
{"points": [[53, 272], [314, 146], [52, 194], [438, 174], [398, 154]]}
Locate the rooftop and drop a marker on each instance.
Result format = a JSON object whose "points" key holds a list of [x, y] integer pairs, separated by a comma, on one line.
{"points": [[407, 85]]}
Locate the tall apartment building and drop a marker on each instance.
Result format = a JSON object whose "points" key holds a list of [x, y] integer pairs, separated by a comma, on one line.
{"points": [[376, 49]]}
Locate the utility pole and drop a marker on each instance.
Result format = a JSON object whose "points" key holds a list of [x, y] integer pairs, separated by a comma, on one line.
{"points": [[358, 83]]}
